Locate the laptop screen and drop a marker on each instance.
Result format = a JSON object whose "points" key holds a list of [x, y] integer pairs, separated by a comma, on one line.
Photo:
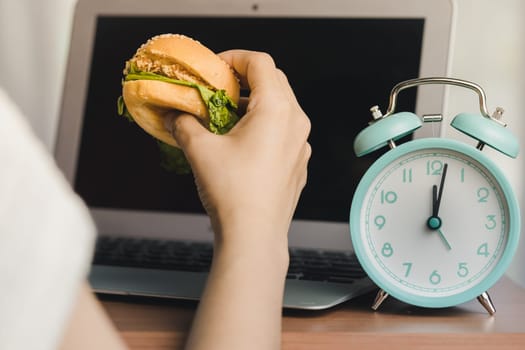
{"points": [[338, 68]]}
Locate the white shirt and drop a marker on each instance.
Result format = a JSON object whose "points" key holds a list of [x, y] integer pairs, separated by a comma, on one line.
{"points": [[46, 239]]}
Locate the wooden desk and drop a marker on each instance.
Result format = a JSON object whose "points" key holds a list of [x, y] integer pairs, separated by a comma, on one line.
{"points": [[163, 324]]}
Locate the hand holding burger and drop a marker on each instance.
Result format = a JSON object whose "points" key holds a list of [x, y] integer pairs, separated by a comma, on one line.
{"points": [[249, 181]]}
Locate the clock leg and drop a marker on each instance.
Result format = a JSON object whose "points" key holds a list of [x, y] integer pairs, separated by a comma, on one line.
{"points": [[485, 300], [380, 297]]}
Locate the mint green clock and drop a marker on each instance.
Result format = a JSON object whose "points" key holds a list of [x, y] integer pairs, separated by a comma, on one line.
{"points": [[434, 222]]}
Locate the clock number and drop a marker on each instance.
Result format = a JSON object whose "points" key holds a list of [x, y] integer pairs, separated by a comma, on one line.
{"points": [[462, 270], [387, 250], [462, 175], [379, 221], [389, 197], [483, 194], [407, 175], [434, 167], [408, 265], [491, 224], [484, 250], [435, 277]]}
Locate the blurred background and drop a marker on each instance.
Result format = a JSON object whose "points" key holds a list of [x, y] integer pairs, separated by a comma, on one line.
{"points": [[488, 48]]}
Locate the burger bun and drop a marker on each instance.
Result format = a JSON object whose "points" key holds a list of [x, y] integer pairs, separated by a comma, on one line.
{"points": [[177, 57]]}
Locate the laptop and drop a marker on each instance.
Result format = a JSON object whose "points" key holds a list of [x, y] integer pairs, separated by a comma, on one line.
{"points": [[341, 58]]}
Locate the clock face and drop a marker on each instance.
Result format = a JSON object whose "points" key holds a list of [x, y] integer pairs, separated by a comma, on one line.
{"points": [[431, 222]]}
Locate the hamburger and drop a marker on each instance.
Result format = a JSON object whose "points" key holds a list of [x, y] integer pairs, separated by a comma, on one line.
{"points": [[172, 72]]}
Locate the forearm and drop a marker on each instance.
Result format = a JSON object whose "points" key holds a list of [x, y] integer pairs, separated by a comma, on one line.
{"points": [[248, 317]]}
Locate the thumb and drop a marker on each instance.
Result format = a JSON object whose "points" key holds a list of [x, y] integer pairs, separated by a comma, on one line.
{"points": [[183, 127]]}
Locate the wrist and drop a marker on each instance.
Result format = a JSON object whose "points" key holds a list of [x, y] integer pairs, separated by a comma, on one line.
{"points": [[253, 251]]}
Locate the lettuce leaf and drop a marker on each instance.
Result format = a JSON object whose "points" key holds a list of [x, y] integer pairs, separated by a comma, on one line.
{"points": [[122, 110], [173, 159], [221, 110]]}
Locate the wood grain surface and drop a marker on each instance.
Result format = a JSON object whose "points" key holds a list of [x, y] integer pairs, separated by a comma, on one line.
{"points": [[148, 323]]}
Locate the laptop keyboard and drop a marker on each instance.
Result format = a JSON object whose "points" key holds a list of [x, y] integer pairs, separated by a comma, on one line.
{"points": [[305, 264]]}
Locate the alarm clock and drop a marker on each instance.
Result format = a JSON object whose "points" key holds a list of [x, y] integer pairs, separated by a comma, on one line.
{"points": [[434, 222]]}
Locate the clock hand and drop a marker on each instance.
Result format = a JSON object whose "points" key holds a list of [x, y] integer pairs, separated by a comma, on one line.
{"points": [[435, 206], [437, 199], [434, 222], [444, 239]]}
